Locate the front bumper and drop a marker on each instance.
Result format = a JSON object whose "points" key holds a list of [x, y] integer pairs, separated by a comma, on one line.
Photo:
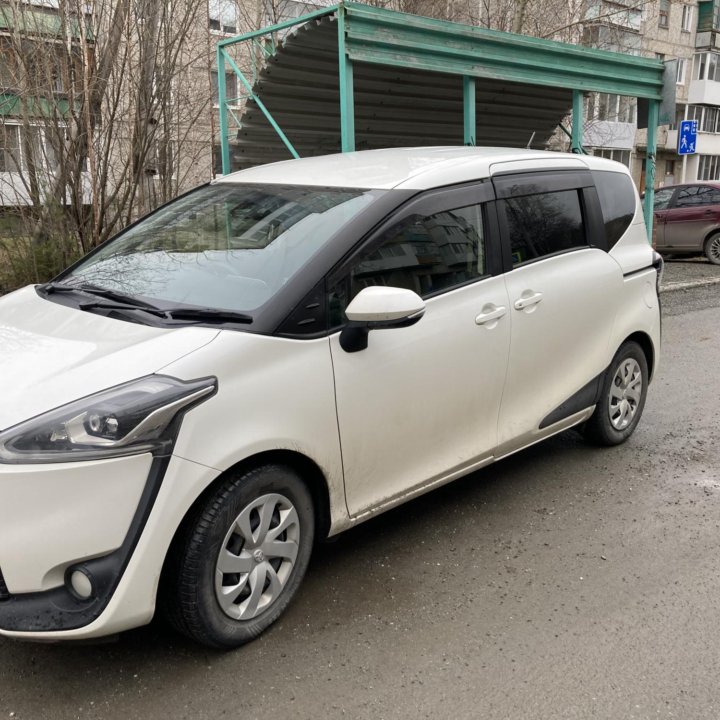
{"points": [[115, 519]]}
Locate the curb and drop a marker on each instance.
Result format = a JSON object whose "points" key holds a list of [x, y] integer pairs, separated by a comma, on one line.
{"points": [[690, 284]]}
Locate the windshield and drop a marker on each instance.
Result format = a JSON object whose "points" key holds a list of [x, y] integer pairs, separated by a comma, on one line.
{"points": [[227, 246]]}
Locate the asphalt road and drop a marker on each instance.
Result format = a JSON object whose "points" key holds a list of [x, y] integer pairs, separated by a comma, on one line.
{"points": [[565, 582]]}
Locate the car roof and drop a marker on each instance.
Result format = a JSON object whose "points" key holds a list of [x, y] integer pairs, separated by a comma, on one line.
{"points": [[710, 183], [419, 168]]}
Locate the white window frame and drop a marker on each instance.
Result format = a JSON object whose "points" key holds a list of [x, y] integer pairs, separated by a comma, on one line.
{"points": [[681, 71], [664, 14], [220, 11], [44, 163], [687, 17], [617, 154], [619, 108], [708, 167]]}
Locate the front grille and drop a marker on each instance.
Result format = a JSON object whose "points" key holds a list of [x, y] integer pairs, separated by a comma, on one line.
{"points": [[4, 592]]}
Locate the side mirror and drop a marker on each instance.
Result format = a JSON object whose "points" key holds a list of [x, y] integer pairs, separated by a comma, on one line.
{"points": [[378, 308]]}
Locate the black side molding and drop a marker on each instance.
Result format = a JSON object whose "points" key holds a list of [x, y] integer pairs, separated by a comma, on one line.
{"points": [[637, 272], [585, 397]]}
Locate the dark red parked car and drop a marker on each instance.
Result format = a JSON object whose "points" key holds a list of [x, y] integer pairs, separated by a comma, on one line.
{"points": [[687, 220]]}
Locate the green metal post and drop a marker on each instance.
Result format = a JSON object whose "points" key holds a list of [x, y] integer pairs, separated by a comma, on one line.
{"points": [[469, 119], [577, 122], [347, 93], [222, 104], [653, 115], [262, 108]]}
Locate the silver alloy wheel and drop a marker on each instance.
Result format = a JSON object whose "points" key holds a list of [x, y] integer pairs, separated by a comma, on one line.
{"points": [[257, 557], [625, 393], [713, 250]]}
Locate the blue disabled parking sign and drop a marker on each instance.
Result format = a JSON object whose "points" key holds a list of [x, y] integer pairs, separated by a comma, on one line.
{"points": [[687, 137]]}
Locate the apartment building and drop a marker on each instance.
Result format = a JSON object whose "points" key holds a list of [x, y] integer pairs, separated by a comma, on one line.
{"points": [[684, 31]]}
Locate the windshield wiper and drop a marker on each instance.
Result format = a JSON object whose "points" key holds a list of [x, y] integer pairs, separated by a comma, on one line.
{"points": [[207, 314], [127, 302], [100, 305], [89, 289], [200, 315]]}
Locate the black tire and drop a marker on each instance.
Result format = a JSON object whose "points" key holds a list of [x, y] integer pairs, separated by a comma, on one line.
{"points": [[189, 594], [605, 426], [712, 249]]}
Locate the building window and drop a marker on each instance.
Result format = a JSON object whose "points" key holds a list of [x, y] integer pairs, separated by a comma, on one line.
{"points": [[709, 122], [682, 64], [706, 66], [7, 73], [231, 91], [709, 167], [708, 118], [19, 151], [663, 17], [222, 15], [614, 108], [621, 156], [687, 13], [10, 148]]}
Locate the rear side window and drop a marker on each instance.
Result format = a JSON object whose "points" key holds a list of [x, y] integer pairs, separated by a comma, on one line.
{"points": [[544, 224], [698, 195], [617, 200], [688, 197]]}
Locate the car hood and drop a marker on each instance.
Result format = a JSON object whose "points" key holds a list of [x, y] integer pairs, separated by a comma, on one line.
{"points": [[51, 354]]}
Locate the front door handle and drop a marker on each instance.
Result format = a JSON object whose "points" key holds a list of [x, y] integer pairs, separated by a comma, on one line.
{"points": [[490, 314], [526, 302]]}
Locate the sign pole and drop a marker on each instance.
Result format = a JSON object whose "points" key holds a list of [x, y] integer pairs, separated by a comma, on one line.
{"points": [[684, 165]]}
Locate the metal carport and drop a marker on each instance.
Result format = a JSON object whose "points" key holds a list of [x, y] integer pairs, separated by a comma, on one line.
{"points": [[354, 76]]}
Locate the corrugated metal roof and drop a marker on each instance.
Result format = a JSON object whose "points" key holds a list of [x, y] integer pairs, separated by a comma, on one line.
{"points": [[407, 73], [394, 106]]}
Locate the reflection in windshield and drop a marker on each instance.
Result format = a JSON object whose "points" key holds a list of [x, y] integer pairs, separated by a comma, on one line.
{"points": [[228, 246]]}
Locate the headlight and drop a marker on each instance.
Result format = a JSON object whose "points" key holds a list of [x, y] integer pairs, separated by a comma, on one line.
{"points": [[129, 419]]}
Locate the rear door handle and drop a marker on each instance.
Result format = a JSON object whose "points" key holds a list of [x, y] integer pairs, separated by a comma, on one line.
{"points": [[491, 314], [526, 302]]}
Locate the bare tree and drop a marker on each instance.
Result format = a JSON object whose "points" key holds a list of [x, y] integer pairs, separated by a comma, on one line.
{"points": [[106, 108]]}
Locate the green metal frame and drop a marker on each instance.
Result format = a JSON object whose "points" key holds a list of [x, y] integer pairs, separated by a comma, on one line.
{"points": [[374, 35], [224, 60]]}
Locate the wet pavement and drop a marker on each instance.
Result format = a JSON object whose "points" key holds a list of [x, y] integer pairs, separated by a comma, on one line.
{"points": [[565, 582], [692, 270]]}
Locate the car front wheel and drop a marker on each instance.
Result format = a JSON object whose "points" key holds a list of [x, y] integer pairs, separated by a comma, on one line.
{"points": [[240, 559], [712, 249], [622, 397]]}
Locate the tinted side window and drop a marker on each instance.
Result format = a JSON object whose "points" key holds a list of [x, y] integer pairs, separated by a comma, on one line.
{"points": [[544, 224], [708, 195], [426, 254], [688, 197], [616, 193], [662, 198]]}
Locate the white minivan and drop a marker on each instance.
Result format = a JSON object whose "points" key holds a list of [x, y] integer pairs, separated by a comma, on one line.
{"points": [[285, 352]]}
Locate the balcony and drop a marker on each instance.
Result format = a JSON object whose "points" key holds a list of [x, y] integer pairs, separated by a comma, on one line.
{"points": [[704, 92]]}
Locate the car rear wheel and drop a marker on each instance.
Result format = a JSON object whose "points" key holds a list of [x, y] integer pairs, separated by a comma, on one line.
{"points": [[241, 557], [622, 398], [712, 249]]}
